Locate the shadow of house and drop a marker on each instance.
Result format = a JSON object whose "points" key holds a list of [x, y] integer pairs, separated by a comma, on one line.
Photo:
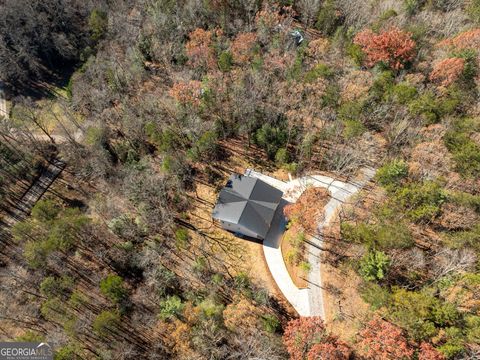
{"points": [[246, 206], [277, 226]]}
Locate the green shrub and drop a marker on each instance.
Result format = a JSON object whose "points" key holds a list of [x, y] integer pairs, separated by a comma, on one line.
{"points": [[296, 70], [205, 147], [95, 136], [331, 97], [53, 286], [327, 20], [474, 11], [106, 323], [305, 266], [426, 106], [30, 336], [412, 6], [292, 167], [413, 310], [355, 53], [394, 235], [271, 138], [69, 88], [465, 238], [421, 202], [113, 287], [292, 256], [403, 93], [145, 47], [45, 210], [242, 281], [374, 265], [455, 341], [98, 23], [319, 71], [432, 109], [466, 152], [126, 153], [351, 110], [391, 234], [352, 129], [375, 295], [181, 237], [271, 323], [467, 159], [445, 314], [388, 14], [171, 307], [361, 233], [464, 199], [67, 352], [299, 239], [382, 85], [225, 61], [391, 173], [200, 264], [211, 309], [282, 156], [470, 70], [450, 350], [473, 328]]}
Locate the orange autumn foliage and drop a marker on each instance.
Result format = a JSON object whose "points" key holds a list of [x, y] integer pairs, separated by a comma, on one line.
{"points": [[241, 316], [393, 47], [428, 352], [381, 340], [199, 49], [330, 351], [307, 338], [467, 40], [448, 71], [179, 339], [308, 208], [187, 92], [242, 47]]}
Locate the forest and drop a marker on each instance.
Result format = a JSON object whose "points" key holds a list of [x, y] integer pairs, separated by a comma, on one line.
{"points": [[124, 118]]}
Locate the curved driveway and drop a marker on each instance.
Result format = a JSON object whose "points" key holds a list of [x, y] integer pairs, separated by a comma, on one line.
{"points": [[309, 301]]}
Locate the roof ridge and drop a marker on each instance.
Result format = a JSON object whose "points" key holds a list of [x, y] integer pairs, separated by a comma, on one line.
{"points": [[236, 194], [249, 202]]}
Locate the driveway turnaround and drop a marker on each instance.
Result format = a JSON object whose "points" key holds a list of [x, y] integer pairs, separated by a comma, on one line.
{"points": [[309, 301]]}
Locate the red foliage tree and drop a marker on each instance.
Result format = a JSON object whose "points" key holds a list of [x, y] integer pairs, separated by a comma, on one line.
{"points": [[381, 340], [242, 47], [300, 334], [199, 49], [428, 352], [302, 213], [329, 351], [448, 71], [307, 337], [467, 40], [187, 92], [393, 47]]}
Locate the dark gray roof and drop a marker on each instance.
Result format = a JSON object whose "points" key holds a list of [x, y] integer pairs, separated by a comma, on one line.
{"points": [[249, 202]]}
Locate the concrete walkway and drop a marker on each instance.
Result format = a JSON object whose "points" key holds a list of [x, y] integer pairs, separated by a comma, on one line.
{"points": [[309, 301]]}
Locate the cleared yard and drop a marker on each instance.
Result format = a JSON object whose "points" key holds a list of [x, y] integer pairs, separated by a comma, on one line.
{"points": [[240, 255]]}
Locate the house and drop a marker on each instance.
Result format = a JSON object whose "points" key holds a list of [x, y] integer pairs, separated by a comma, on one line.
{"points": [[246, 206]]}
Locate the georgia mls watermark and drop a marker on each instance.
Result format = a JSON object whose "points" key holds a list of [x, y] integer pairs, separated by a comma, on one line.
{"points": [[25, 351]]}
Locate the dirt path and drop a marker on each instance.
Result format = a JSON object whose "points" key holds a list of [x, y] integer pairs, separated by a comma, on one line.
{"points": [[35, 192], [3, 102]]}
